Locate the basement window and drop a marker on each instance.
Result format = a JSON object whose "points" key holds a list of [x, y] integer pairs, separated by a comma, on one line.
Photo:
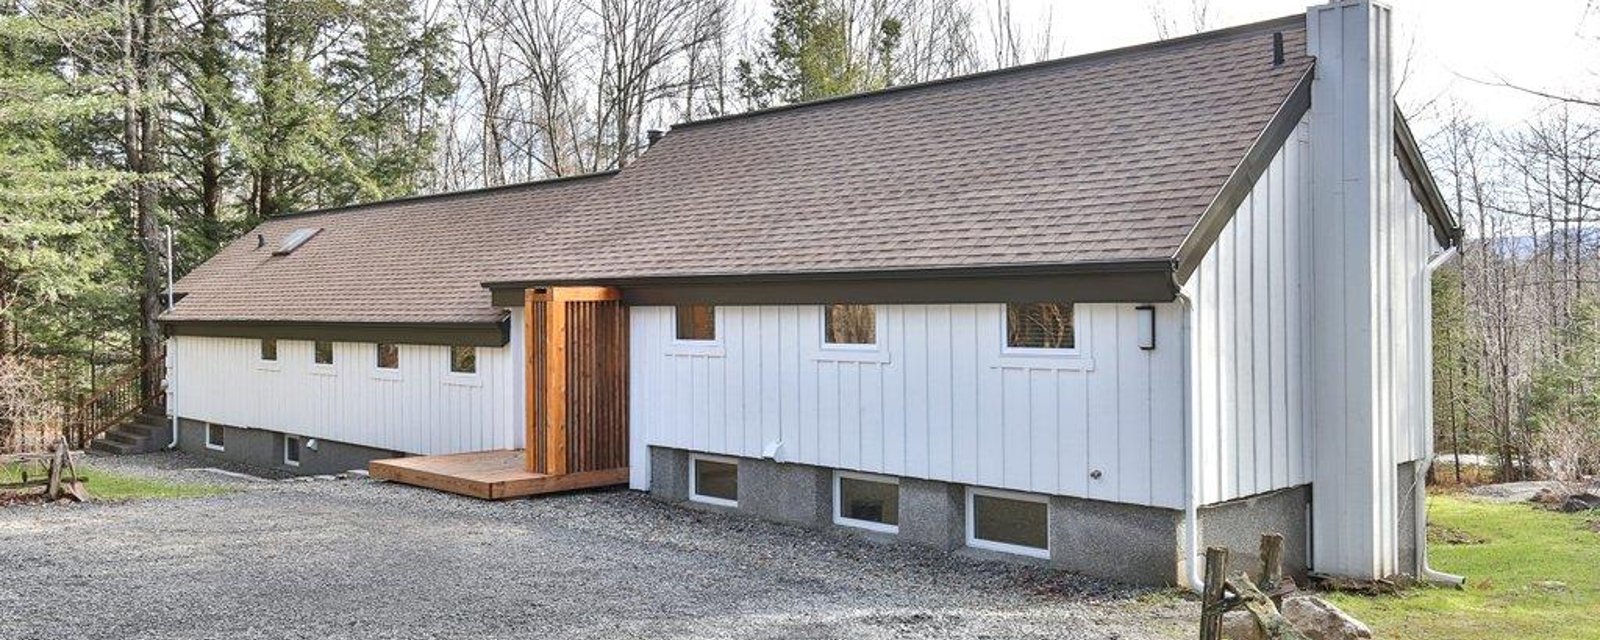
{"points": [[291, 451], [1040, 325], [866, 501], [269, 349], [463, 359], [322, 352], [696, 322], [1008, 522], [714, 480], [850, 324], [388, 356], [214, 437]]}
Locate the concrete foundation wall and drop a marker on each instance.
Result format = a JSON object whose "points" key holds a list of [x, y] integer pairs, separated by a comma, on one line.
{"points": [[1124, 542], [1412, 496], [264, 449], [1238, 525]]}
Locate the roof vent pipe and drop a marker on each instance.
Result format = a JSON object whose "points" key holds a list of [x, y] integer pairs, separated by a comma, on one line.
{"points": [[1277, 48], [261, 240], [653, 136]]}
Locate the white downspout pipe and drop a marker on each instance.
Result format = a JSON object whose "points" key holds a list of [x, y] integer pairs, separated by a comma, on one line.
{"points": [[172, 359], [1191, 503], [1425, 572]]}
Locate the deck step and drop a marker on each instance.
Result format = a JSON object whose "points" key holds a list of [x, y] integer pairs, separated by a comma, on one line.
{"points": [[128, 437], [112, 447]]}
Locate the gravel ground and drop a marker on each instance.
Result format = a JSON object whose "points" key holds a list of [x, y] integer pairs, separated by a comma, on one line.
{"points": [[362, 559]]}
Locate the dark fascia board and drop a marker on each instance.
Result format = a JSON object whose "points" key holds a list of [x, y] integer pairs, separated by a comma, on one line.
{"points": [[1132, 281], [491, 334], [1239, 184], [1445, 227]]}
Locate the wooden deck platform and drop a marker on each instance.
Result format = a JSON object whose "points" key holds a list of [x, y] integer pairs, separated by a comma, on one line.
{"points": [[490, 475]]}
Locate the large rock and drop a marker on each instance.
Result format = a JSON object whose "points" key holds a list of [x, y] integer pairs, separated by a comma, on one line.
{"points": [[1319, 620], [1241, 625]]}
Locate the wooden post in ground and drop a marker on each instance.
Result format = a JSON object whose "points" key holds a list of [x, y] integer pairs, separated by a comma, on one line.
{"points": [[1272, 567], [1211, 603]]}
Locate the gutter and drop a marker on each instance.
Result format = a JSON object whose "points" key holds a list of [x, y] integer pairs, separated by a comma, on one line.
{"points": [[1191, 503], [1426, 573]]}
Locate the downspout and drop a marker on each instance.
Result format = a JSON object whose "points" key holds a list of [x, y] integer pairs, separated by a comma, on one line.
{"points": [[1426, 573], [1191, 504], [172, 359]]}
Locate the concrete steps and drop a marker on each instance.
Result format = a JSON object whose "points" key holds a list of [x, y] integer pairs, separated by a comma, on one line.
{"points": [[144, 434]]}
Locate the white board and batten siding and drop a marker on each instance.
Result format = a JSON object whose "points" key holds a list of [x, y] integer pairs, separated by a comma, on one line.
{"points": [[941, 398], [1251, 306], [422, 408]]}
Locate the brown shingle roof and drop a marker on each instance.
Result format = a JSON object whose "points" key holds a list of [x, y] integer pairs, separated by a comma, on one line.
{"points": [[408, 261], [1109, 157], [1101, 158]]}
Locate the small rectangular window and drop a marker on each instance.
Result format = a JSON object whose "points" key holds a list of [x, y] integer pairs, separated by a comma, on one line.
{"points": [[323, 352], [714, 480], [388, 356], [850, 324], [1009, 522], [869, 502], [1039, 325], [291, 451], [463, 359], [697, 322], [269, 349], [214, 437]]}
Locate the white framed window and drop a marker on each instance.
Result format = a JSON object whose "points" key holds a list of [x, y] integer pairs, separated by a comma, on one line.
{"points": [[291, 450], [1043, 328], [694, 323], [215, 435], [1008, 521], [852, 333], [386, 361], [463, 359], [866, 501], [714, 480], [322, 358], [697, 330]]}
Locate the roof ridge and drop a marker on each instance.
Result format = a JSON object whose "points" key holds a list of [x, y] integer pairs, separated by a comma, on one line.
{"points": [[443, 195], [981, 75]]}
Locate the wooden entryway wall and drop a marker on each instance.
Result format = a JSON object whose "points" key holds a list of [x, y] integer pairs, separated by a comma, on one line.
{"points": [[577, 377]]}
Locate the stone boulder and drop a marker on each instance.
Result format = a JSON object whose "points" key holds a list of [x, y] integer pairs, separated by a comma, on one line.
{"points": [[1320, 620]]}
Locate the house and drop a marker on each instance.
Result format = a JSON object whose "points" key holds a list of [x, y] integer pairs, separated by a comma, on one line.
{"points": [[1106, 310]]}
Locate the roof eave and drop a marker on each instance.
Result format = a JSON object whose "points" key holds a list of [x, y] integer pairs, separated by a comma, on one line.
{"points": [[1146, 280], [1446, 229], [1237, 187]]}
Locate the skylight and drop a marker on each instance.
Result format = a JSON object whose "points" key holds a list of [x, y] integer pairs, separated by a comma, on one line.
{"points": [[294, 240]]}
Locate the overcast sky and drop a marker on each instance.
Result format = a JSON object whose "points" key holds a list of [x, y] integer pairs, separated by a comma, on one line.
{"points": [[1544, 43]]}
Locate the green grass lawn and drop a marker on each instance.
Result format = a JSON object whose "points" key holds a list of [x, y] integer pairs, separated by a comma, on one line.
{"points": [[1531, 573], [107, 485]]}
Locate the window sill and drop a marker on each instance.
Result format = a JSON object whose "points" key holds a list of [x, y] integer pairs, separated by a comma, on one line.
{"points": [[1042, 361], [866, 525], [462, 380], [386, 374], [717, 502], [268, 365], [841, 353], [706, 349], [1013, 549], [323, 370]]}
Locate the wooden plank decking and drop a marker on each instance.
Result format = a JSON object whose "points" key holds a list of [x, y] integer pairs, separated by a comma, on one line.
{"points": [[490, 475]]}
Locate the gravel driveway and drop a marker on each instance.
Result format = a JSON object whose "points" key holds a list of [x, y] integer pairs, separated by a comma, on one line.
{"points": [[361, 559]]}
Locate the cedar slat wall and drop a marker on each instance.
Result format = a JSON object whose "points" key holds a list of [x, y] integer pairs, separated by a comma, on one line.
{"points": [[577, 380]]}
